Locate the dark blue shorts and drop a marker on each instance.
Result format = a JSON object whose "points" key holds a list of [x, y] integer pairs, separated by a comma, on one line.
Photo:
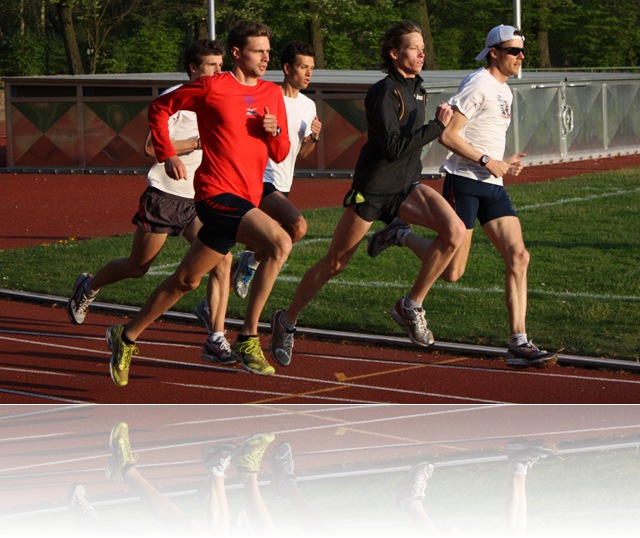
{"points": [[221, 215], [473, 199]]}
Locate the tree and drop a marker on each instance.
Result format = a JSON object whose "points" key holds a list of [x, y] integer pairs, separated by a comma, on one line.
{"points": [[64, 8], [419, 13]]}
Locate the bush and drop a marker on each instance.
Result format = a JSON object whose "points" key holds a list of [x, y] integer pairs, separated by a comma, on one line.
{"points": [[23, 55], [152, 49]]}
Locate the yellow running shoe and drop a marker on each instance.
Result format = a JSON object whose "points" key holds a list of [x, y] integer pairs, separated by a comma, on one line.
{"points": [[252, 358], [251, 452], [122, 458], [121, 354]]}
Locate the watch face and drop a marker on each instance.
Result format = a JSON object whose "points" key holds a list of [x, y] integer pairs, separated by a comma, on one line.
{"points": [[484, 160]]}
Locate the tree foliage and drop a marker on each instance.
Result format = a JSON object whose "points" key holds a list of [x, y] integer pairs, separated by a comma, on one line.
{"points": [[117, 36]]}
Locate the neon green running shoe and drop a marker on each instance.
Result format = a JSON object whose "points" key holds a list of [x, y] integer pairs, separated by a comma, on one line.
{"points": [[122, 458], [252, 358], [121, 355], [251, 452]]}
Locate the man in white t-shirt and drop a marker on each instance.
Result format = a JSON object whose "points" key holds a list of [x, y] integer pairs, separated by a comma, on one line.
{"points": [[476, 139], [167, 208], [297, 60]]}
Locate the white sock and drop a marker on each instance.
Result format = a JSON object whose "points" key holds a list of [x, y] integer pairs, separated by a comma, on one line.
{"points": [[402, 235], [409, 304], [518, 339], [215, 337]]}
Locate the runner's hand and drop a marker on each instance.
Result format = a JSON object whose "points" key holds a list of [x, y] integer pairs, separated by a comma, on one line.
{"points": [[175, 169], [515, 164], [270, 123]]}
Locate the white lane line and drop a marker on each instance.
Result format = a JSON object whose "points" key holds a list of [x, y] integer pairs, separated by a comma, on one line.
{"points": [[578, 199]]}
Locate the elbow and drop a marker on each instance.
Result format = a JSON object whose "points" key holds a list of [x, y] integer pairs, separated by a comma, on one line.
{"points": [[444, 140]]}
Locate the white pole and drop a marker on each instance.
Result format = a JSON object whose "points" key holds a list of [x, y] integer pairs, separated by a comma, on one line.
{"points": [[517, 22], [212, 19]]}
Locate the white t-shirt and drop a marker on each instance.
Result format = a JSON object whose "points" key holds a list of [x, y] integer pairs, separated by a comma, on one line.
{"points": [[486, 103], [300, 113], [182, 126]]}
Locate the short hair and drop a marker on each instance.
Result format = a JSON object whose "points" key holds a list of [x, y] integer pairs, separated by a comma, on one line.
{"points": [[293, 49], [392, 39], [197, 50], [243, 30]]}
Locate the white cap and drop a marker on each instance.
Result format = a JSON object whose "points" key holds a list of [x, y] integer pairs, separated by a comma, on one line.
{"points": [[498, 35]]}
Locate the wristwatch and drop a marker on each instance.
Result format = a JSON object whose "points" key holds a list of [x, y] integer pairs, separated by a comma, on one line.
{"points": [[484, 160], [278, 131]]}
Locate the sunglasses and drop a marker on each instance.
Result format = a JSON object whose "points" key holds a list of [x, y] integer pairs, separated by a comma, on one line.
{"points": [[514, 51]]}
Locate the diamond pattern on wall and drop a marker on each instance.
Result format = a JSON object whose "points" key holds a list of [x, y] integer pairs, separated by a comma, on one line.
{"points": [[123, 146], [57, 145]]}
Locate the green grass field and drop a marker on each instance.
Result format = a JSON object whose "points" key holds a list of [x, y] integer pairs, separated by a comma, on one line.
{"points": [[583, 234]]}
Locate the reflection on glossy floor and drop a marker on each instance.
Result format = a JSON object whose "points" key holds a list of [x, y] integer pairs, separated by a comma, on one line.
{"points": [[319, 470]]}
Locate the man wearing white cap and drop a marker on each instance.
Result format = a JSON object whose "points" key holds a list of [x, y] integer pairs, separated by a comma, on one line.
{"points": [[476, 138]]}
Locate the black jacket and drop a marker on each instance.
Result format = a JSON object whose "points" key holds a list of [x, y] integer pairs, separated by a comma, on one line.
{"points": [[390, 159]]}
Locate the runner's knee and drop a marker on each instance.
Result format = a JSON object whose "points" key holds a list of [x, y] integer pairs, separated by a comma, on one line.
{"points": [[297, 230]]}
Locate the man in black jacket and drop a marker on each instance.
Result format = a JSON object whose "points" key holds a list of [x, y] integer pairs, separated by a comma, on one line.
{"points": [[386, 185]]}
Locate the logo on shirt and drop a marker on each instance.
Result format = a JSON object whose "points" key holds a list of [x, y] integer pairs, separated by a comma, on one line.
{"points": [[252, 112], [505, 111], [419, 97]]}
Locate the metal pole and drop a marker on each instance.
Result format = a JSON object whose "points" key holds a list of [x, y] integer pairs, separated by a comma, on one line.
{"points": [[212, 19], [517, 22]]}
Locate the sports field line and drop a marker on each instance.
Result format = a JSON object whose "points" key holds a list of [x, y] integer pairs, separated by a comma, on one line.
{"points": [[578, 199], [167, 269], [161, 271]]}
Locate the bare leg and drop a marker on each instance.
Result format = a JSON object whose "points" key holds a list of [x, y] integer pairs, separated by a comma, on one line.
{"points": [[506, 234], [347, 236], [144, 250], [197, 262], [425, 207], [258, 229]]}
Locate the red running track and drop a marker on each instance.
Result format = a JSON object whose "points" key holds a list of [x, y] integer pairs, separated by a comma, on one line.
{"points": [[45, 359]]}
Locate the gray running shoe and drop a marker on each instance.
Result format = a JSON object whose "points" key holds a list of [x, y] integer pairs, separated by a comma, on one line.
{"points": [[219, 352], [282, 467], [202, 313], [413, 320], [386, 237], [78, 303], [244, 275], [218, 458], [523, 455], [413, 488], [79, 504], [281, 343], [529, 355]]}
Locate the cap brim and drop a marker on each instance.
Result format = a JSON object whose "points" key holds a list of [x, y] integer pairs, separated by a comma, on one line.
{"points": [[483, 54]]}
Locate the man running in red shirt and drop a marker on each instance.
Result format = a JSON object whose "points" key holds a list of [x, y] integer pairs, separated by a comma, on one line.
{"points": [[242, 122]]}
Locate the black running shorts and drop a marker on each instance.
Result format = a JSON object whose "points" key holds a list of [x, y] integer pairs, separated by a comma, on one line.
{"points": [[372, 207], [221, 215]]}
